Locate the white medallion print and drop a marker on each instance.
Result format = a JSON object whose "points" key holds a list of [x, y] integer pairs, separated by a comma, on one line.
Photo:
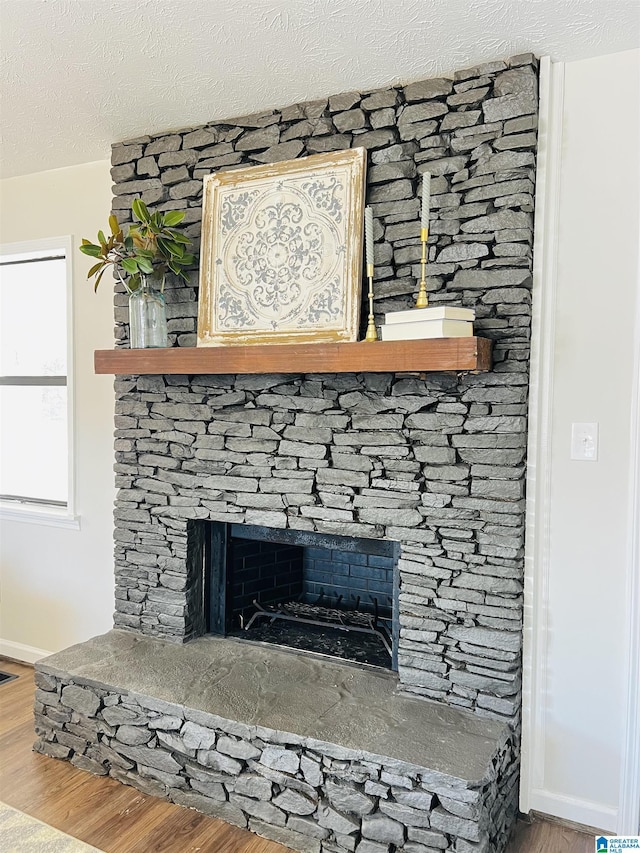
{"points": [[282, 250]]}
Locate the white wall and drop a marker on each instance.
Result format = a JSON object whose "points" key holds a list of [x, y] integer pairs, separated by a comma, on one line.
{"points": [[56, 585], [579, 564]]}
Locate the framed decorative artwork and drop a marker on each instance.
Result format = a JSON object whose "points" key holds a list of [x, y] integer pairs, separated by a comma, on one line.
{"points": [[281, 252]]}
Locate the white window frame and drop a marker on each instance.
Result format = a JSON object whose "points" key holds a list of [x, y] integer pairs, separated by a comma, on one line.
{"points": [[37, 513]]}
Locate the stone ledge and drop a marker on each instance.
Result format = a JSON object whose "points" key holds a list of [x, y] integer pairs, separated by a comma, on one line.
{"points": [[318, 755], [252, 690]]}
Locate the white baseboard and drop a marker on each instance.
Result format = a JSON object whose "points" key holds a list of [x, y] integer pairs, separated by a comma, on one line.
{"points": [[18, 651], [584, 812]]}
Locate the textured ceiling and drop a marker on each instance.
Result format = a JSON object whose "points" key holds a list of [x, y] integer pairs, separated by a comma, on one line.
{"points": [[77, 75]]}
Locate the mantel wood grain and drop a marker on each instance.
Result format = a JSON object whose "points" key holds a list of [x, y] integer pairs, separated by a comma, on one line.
{"points": [[438, 354]]}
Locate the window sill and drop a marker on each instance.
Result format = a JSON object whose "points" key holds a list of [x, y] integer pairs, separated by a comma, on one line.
{"points": [[47, 516]]}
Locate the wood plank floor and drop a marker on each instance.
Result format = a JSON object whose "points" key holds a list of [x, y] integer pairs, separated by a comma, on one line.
{"points": [[118, 819]]}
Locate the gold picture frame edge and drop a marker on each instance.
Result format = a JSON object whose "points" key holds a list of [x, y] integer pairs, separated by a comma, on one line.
{"points": [[356, 159]]}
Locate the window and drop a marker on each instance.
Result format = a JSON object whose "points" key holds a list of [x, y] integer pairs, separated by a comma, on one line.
{"points": [[35, 424]]}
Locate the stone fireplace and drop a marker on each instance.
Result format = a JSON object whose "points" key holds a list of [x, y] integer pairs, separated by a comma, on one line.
{"points": [[405, 461], [412, 484]]}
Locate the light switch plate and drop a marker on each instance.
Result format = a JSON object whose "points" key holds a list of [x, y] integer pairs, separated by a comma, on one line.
{"points": [[584, 442]]}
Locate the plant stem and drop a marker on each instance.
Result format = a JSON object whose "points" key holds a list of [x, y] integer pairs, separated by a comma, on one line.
{"points": [[122, 280]]}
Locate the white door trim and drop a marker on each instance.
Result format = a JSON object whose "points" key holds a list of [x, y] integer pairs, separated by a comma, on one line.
{"points": [[537, 524], [629, 809], [533, 792]]}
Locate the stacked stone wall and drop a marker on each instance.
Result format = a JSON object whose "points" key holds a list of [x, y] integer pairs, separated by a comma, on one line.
{"points": [[434, 462], [312, 796], [476, 135], [400, 459]]}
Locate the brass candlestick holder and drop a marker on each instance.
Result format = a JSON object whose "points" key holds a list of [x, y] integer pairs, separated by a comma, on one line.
{"points": [[372, 332], [421, 300]]}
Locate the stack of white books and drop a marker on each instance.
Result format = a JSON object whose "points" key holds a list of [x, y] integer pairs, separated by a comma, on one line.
{"points": [[443, 321]]}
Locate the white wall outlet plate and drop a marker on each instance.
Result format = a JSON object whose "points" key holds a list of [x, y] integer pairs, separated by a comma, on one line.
{"points": [[584, 442]]}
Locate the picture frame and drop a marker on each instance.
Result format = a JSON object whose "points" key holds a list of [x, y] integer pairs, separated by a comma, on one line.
{"points": [[281, 252]]}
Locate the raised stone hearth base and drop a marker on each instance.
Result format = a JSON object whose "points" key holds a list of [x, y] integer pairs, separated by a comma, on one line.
{"points": [[321, 756]]}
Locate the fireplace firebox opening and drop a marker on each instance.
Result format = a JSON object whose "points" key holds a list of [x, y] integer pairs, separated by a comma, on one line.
{"points": [[331, 595]]}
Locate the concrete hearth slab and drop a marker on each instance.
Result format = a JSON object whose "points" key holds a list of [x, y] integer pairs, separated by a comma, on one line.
{"points": [[264, 686]]}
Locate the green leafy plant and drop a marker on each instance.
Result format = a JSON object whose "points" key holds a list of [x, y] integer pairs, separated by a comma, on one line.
{"points": [[152, 246]]}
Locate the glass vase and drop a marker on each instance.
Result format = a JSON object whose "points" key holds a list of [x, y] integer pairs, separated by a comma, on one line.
{"points": [[147, 316]]}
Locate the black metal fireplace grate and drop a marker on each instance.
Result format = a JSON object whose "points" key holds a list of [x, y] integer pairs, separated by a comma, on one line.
{"points": [[361, 648], [351, 621], [322, 640]]}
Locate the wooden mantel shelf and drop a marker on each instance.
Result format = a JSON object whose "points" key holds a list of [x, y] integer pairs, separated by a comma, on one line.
{"points": [[437, 354]]}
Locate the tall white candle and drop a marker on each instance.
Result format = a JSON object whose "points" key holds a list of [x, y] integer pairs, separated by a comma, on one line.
{"points": [[426, 198], [368, 235]]}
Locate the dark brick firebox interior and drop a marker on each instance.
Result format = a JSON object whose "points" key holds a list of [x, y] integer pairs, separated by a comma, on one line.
{"points": [[334, 595]]}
